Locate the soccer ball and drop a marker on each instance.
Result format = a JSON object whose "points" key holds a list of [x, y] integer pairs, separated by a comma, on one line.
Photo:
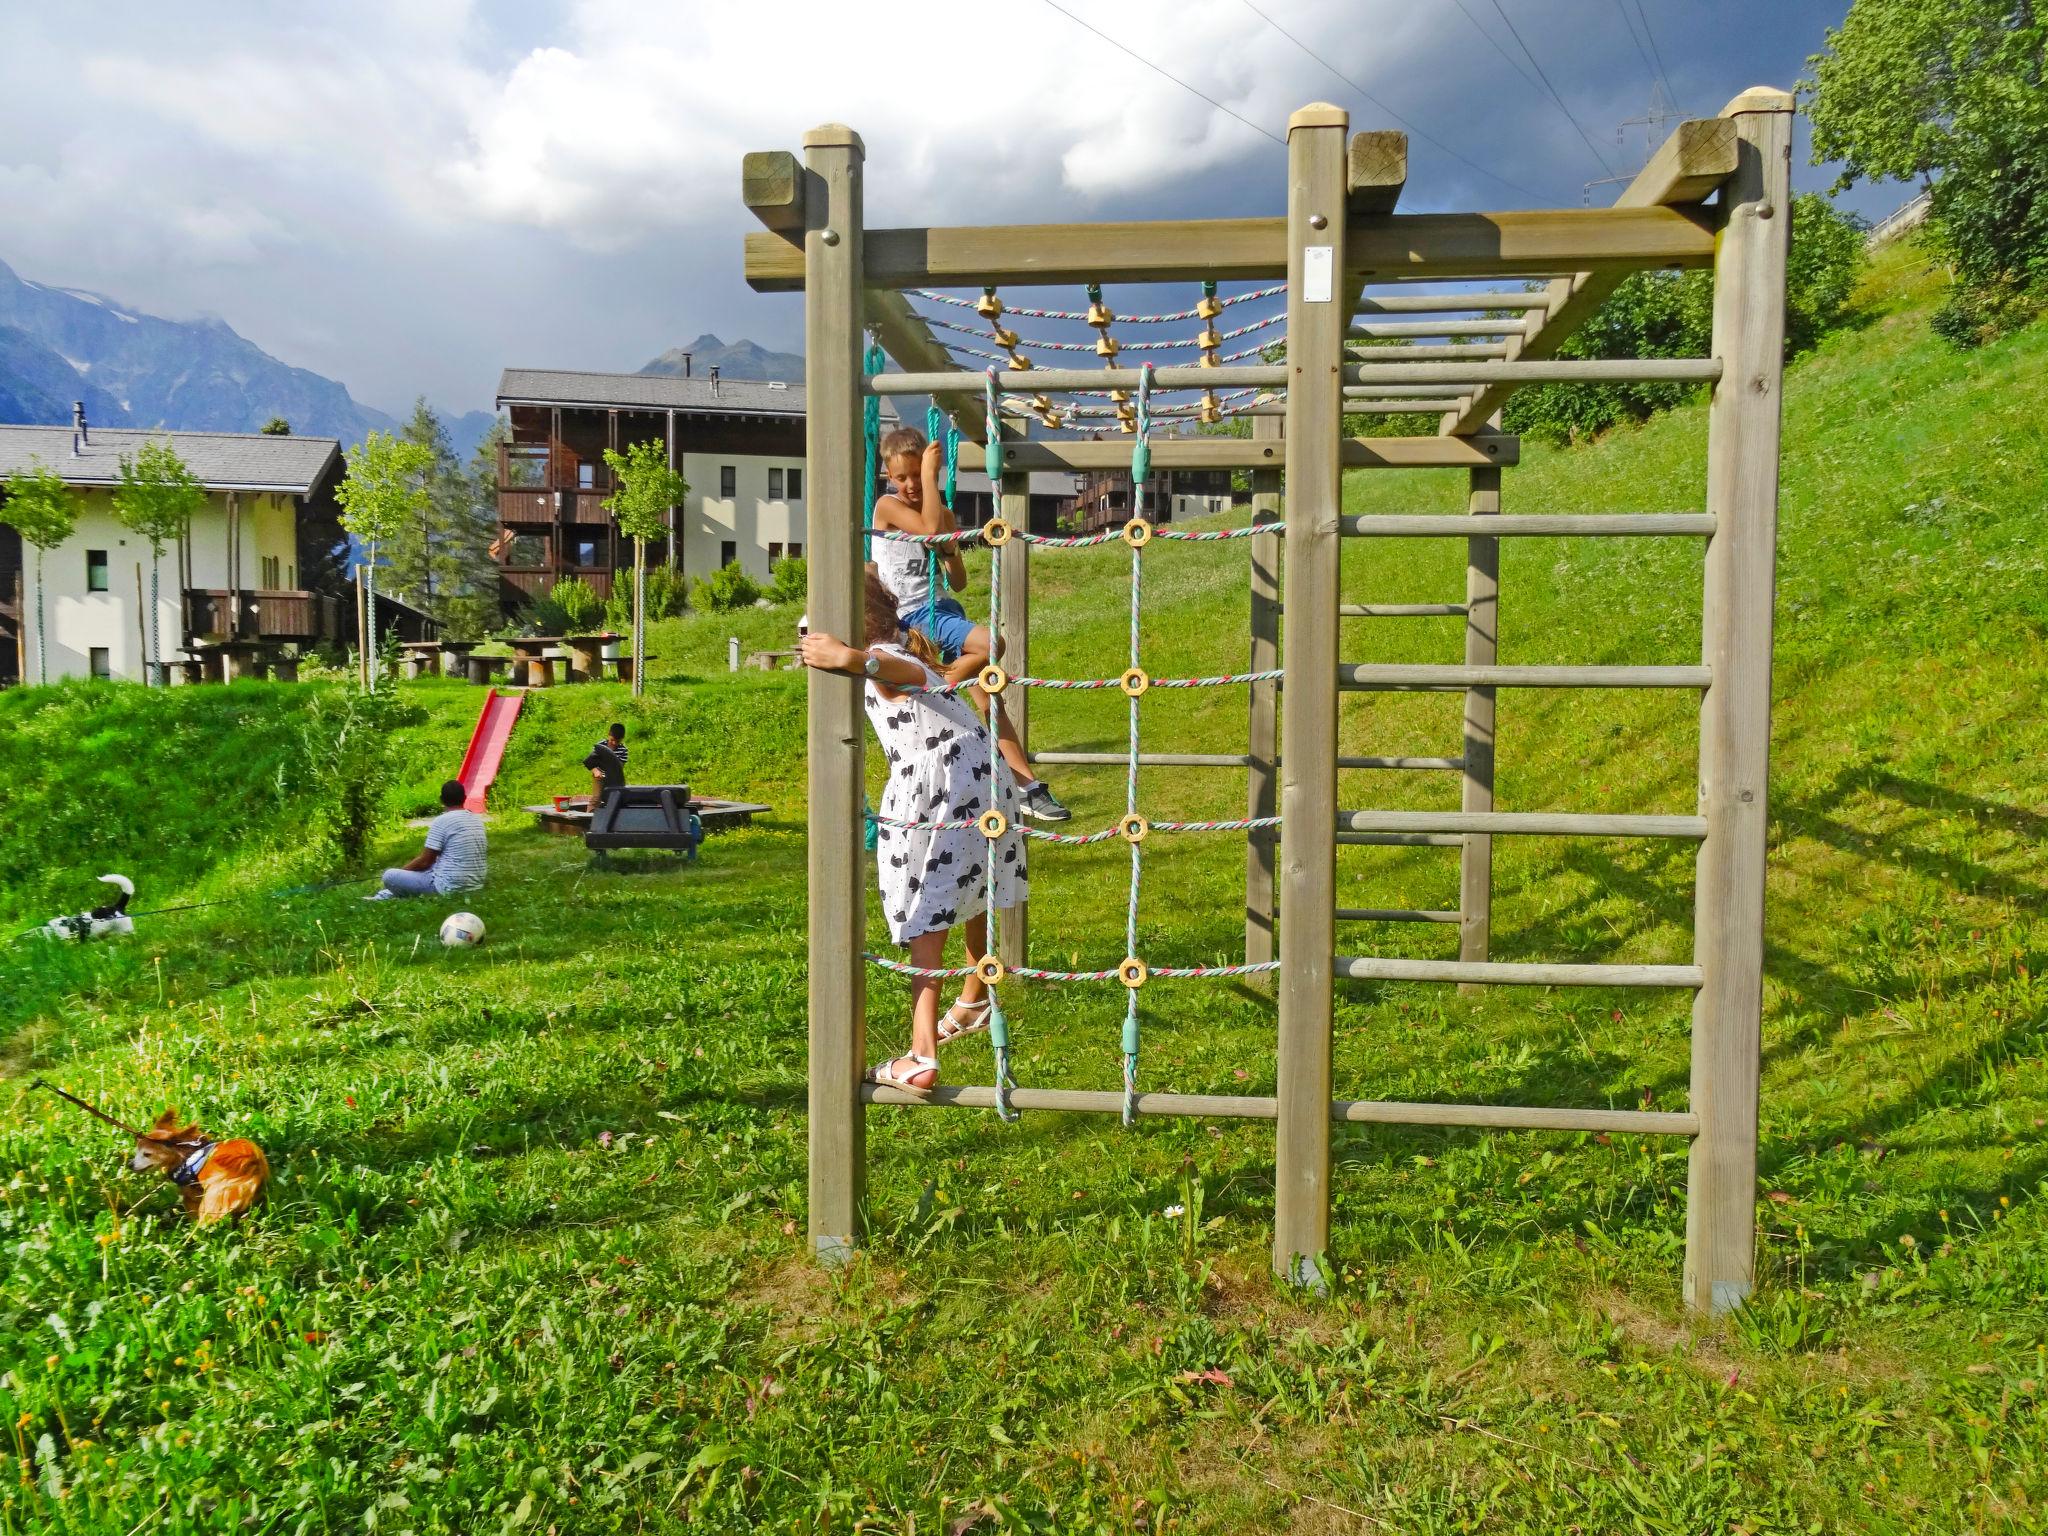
{"points": [[461, 929]]}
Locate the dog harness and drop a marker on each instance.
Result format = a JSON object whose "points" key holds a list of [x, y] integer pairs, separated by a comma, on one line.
{"points": [[188, 1171]]}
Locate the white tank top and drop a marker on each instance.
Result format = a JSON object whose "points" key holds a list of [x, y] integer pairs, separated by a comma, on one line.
{"points": [[904, 569]]}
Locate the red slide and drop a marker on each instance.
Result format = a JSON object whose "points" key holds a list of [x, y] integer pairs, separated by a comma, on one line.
{"points": [[487, 745]]}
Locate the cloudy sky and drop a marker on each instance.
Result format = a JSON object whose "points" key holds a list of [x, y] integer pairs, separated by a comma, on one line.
{"points": [[410, 194]]}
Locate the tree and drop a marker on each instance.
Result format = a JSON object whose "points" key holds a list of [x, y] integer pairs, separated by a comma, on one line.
{"points": [[648, 487], [386, 490], [39, 506], [158, 499], [442, 555], [277, 426], [1953, 93]]}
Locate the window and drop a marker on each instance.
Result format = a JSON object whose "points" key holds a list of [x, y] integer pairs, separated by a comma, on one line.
{"points": [[774, 550], [728, 551], [796, 483], [101, 663], [775, 482], [95, 570], [796, 551], [272, 572], [586, 477], [528, 550], [585, 551], [728, 480]]}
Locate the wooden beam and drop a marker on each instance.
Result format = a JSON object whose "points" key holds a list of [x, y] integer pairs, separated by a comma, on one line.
{"points": [[772, 187], [1262, 787], [1507, 973], [1525, 823], [1443, 303], [1318, 309], [1697, 157], [1076, 456], [906, 338], [836, 730], [1375, 170], [1538, 525], [1482, 649], [1013, 924], [1517, 243], [1694, 370], [1743, 427], [1430, 677]]}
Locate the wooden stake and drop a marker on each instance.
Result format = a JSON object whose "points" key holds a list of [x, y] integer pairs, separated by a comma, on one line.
{"points": [[1482, 649], [1262, 796], [833, 282], [1318, 309], [1735, 716]]}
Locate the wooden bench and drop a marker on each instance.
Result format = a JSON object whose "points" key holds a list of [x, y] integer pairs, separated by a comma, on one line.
{"points": [[621, 667], [482, 669], [771, 661]]}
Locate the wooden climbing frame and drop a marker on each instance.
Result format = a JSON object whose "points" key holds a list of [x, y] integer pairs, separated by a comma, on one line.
{"points": [[1716, 195]]}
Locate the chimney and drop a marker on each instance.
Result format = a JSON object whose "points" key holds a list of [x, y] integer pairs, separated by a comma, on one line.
{"points": [[81, 435], [714, 381], [686, 365]]}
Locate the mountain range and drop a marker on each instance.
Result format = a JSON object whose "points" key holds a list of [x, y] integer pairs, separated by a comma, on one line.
{"points": [[133, 369], [740, 359]]}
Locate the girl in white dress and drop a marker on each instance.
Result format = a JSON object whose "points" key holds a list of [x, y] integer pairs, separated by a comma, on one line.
{"points": [[933, 880]]}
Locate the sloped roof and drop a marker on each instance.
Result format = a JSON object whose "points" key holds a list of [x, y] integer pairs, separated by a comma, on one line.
{"points": [[221, 461], [649, 392]]}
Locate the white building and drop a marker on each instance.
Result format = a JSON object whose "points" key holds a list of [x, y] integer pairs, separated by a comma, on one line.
{"points": [[236, 574]]}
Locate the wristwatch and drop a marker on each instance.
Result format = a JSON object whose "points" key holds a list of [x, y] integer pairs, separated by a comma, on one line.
{"points": [[872, 666]]}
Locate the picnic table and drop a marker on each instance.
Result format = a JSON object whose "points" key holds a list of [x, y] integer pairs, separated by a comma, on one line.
{"points": [[532, 666], [620, 667], [586, 655], [480, 668], [422, 658]]}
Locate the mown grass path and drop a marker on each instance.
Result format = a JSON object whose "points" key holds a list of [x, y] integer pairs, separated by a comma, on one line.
{"points": [[533, 1260]]}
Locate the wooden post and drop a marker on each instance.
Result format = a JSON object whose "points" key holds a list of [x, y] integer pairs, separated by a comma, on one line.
{"points": [[1013, 926], [1482, 648], [1735, 716], [833, 281], [1318, 311], [1262, 797]]}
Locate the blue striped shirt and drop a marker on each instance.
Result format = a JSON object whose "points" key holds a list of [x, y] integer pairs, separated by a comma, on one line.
{"points": [[457, 837]]}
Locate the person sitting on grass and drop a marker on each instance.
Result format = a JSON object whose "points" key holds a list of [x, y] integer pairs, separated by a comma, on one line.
{"points": [[917, 507], [453, 859], [607, 765], [933, 880]]}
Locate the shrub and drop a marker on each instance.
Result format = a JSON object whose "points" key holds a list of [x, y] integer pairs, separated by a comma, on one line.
{"points": [[790, 581], [578, 600], [724, 589], [350, 761], [668, 592]]}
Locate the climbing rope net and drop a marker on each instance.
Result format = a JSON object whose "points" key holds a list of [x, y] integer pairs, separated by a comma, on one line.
{"points": [[1134, 826]]}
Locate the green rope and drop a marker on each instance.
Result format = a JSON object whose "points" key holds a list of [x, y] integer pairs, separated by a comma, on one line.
{"points": [[872, 363]]}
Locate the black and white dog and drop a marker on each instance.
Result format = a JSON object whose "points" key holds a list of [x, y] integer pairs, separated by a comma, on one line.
{"points": [[100, 922]]}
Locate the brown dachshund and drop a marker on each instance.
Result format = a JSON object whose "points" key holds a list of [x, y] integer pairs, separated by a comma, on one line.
{"points": [[217, 1179]]}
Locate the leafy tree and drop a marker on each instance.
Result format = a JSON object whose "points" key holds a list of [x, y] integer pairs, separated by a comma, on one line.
{"points": [[1953, 93], [442, 552], [158, 499], [39, 506], [277, 426], [724, 589], [790, 580], [1671, 314], [385, 492], [648, 487]]}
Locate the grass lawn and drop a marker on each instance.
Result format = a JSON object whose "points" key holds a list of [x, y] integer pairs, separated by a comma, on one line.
{"points": [[533, 1258]]}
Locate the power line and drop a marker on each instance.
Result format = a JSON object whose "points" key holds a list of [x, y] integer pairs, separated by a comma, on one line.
{"points": [[1157, 70], [1513, 63], [1567, 111], [1420, 133], [1669, 89], [1630, 22]]}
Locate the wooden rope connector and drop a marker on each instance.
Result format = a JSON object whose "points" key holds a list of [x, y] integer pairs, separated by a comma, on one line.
{"points": [[1007, 340], [993, 679], [1137, 533], [996, 532], [988, 306], [1134, 682], [1133, 827], [1133, 973], [1107, 345], [990, 969], [993, 824]]}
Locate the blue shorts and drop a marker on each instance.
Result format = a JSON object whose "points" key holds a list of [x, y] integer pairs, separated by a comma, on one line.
{"points": [[948, 628]]}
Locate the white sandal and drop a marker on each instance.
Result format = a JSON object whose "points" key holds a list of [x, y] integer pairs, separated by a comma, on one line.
{"points": [[884, 1074], [952, 1028]]}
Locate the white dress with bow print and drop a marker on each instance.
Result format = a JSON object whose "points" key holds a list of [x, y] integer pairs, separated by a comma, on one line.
{"points": [[937, 749]]}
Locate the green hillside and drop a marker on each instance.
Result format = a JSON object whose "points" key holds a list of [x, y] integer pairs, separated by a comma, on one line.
{"points": [[533, 1256]]}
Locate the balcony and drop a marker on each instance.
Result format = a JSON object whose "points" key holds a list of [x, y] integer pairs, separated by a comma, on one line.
{"points": [[533, 509], [219, 614]]}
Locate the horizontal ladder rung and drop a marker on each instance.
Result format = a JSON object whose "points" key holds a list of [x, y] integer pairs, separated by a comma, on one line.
{"points": [[1448, 679], [1516, 974], [1150, 759], [1401, 762], [1528, 525], [1511, 1117], [1524, 823], [1398, 840], [1394, 610], [1396, 915]]}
